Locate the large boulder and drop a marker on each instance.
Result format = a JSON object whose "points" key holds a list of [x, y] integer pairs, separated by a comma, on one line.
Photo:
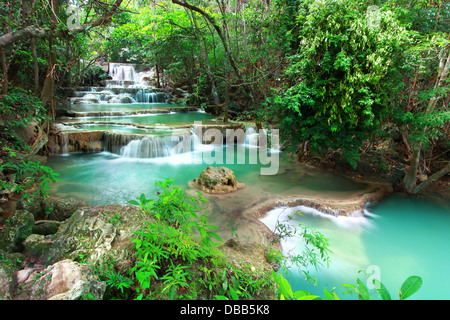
{"points": [[240, 252], [63, 209], [64, 280], [217, 180], [98, 235]]}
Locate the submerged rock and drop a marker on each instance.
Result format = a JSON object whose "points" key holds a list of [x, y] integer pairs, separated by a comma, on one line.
{"points": [[217, 180]]}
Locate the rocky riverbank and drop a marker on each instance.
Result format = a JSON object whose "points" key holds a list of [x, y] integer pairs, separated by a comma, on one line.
{"points": [[57, 258]]}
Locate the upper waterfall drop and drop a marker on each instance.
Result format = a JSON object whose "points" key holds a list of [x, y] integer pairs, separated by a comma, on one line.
{"points": [[125, 86], [122, 72]]}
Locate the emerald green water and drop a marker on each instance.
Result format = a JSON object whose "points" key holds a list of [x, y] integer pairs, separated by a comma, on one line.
{"points": [[397, 237], [149, 119], [118, 107], [187, 117]]}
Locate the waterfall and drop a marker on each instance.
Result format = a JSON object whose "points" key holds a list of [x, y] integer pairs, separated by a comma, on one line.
{"points": [[122, 72], [157, 146], [63, 143], [126, 86], [150, 96], [251, 137]]}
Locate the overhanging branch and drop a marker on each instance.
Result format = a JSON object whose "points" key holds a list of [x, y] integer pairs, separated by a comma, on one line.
{"points": [[44, 32]]}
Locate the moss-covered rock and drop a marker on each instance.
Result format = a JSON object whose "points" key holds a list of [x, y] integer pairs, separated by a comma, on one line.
{"points": [[36, 245], [98, 235], [33, 202], [17, 228], [217, 180], [10, 263], [63, 209]]}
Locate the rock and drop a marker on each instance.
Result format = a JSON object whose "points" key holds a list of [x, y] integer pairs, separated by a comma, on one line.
{"points": [[33, 203], [64, 280], [217, 180], [17, 228], [36, 245], [46, 227], [64, 208], [6, 291], [243, 254], [32, 134], [10, 263], [98, 235], [84, 141]]}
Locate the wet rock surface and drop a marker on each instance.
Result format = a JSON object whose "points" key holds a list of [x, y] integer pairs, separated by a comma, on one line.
{"points": [[217, 180]]}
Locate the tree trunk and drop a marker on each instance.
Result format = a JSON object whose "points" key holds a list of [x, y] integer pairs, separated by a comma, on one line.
{"points": [[35, 66], [434, 177], [158, 80], [208, 65], [410, 179], [5, 71], [47, 98], [33, 31], [223, 39]]}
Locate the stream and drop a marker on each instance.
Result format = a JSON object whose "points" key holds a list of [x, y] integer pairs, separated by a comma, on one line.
{"points": [[135, 146]]}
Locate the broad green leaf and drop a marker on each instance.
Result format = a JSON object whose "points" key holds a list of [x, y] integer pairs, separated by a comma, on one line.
{"points": [[328, 295], [363, 291], [384, 293], [302, 295], [410, 286], [214, 235], [233, 293], [308, 297], [133, 202]]}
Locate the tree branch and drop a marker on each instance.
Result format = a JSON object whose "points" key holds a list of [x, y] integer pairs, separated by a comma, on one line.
{"points": [[434, 177], [43, 32]]}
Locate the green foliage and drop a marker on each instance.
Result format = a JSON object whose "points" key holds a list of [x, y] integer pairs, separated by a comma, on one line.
{"points": [[316, 250], [286, 292], [17, 108], [410, 286], [336, 84], [26, 175], [172, 205], [118, 282], [177, 255]]}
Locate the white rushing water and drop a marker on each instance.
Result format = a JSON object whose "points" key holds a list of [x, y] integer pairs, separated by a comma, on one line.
{"points": [[126, 86]]}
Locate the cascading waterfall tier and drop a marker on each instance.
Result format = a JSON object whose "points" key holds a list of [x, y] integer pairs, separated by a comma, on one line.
{"points": [[164, 144], [126, 86], [154, 144], [122, 72], [157, 147]]}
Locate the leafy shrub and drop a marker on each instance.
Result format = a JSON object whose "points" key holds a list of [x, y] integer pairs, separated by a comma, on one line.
{"points": [[17, 108], [177, 257]]}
